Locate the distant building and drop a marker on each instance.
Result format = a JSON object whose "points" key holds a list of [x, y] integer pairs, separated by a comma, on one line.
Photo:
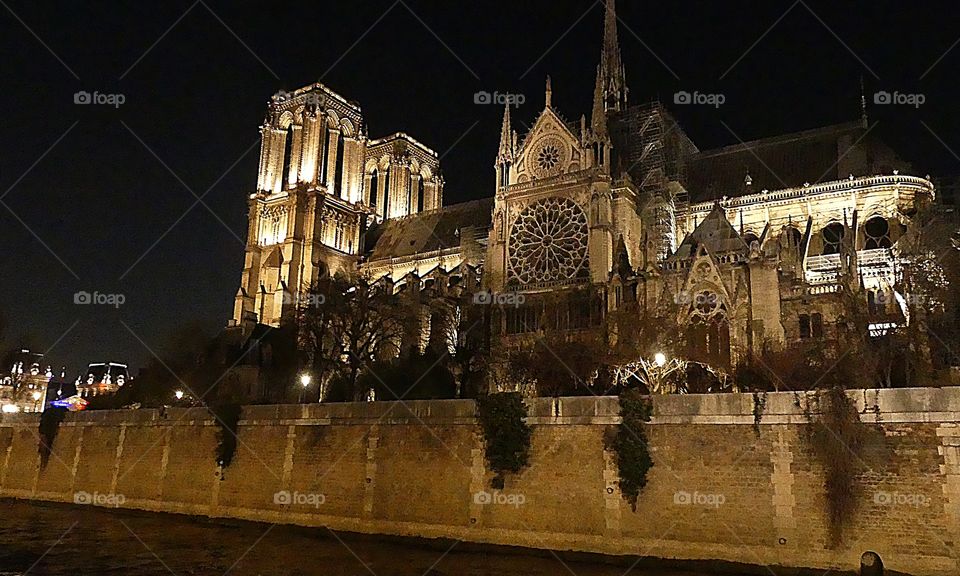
{"points": [[24, 388], [102, 378]]}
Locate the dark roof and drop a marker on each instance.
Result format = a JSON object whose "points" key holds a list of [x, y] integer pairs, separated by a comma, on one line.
{"points": [[428, 231], [715, 233], [789, 160]]}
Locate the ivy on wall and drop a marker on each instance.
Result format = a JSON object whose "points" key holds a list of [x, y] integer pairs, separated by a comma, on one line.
{"points": [[506, 435], [838, 439], [227, 418], [50, 421], [630, 444]]}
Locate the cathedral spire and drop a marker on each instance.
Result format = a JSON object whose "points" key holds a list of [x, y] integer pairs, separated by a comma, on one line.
{"points": [[612, 75], [598, 118], [549, 95], [506, 146]]}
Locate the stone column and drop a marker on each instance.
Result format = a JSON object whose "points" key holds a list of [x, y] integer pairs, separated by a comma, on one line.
{"points": [[333, 137], [309, 154], [399, 189], [262, 178], [278, 139], [367, 183], [381, 192], [430, 200], [414, 194], [347, 178], [296, 147]]}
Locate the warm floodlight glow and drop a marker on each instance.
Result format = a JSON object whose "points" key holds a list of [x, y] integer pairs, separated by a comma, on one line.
{"points": [[36, 395], [179, 394], [305, 380], [659, 359]]}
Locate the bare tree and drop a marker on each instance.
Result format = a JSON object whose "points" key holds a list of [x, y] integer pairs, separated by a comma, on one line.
{"points": [[353, 325]]}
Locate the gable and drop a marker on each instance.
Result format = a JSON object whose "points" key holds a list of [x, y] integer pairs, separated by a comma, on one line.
{"points": [[548, 150]]}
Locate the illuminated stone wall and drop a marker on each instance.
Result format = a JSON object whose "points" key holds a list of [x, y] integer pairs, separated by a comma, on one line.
{"points": [[719, 489]]}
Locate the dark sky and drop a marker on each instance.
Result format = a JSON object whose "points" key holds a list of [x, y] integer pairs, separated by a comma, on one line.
{"points": [[111, 206]]}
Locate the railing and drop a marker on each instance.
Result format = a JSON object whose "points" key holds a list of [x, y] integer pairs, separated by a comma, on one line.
{"points": [[874, 263], [907, 182]]}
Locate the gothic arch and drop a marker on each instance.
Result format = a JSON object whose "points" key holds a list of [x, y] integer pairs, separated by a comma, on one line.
{"points": [[285, 120], [832, 237], [333, 119], [876, 233]]}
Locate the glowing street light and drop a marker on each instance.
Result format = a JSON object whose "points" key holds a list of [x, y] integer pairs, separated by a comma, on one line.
{"points": [[36, 396], [179, 394], [659, 359], [305, 382]]}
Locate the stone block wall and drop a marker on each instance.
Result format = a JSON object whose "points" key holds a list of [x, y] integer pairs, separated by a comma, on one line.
{"points": [[722, 486]]}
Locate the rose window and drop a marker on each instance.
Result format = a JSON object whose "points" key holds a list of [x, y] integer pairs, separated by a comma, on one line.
{"points": [[548, 158], [548, 242], [549, 155]]}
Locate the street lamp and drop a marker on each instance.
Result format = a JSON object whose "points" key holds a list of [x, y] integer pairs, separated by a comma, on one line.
{"points": [[659, 359], [179, 394], [305, 383]]}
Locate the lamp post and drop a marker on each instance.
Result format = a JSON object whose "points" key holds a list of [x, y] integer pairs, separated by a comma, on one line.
{"points": [[36, 401], [178, 394], [304, 383]]}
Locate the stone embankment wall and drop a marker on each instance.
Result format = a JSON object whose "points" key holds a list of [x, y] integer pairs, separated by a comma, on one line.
{"points": [[722, 487]]}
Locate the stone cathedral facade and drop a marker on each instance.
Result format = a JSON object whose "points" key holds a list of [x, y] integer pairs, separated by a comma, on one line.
{"points": [[750, 244]]}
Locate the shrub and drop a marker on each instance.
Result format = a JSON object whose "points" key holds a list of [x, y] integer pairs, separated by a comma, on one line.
{"points": [[505, 433]]}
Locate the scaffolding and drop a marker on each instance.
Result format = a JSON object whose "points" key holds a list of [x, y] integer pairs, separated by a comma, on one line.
{"points": [[652, 147]]}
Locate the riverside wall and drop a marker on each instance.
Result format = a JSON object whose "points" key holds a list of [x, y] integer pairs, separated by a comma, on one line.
{"points": [[722, 487]]}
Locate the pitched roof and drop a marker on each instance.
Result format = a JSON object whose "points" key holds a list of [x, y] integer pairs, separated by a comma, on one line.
{"points": [[715, 233], [428, 231], [789, 160]]}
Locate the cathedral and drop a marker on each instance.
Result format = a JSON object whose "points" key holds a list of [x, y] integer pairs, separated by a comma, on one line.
{"points": [[751, 244]]}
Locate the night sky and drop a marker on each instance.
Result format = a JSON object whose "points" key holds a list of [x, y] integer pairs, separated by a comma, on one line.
{"points": [[111, 206]]}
